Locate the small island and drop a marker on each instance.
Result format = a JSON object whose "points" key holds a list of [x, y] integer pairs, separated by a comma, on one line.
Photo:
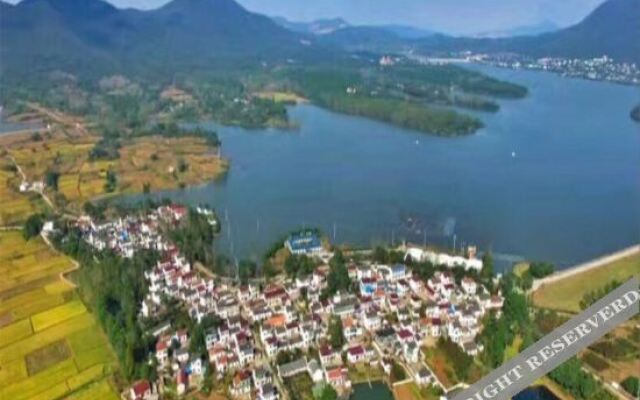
{"points": [[426, 98]]}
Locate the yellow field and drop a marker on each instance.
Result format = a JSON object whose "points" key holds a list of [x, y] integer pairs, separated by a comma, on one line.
{"points": [[280, 97], [23, 263], [565, 294], [48, 327], [56, 315], [97, 391], [15, 332]]}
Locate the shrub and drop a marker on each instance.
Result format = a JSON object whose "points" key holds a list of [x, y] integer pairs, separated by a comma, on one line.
{"points": [[33, 226], [595, 362], [631, 385]]}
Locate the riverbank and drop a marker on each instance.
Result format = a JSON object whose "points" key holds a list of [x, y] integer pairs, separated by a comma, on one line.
{"points": [[564, 290]]}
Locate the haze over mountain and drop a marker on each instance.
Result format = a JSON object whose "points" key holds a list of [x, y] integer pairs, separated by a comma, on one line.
{"points": [[316, 27], [612, 29], [525, 30], [183, 33], [331, 25]]}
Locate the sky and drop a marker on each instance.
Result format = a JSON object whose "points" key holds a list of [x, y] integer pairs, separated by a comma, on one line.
{"points": [[461, 17]]}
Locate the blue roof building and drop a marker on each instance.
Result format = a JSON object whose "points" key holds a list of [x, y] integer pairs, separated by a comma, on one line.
{"points": [[398, 271], [306, 242]]}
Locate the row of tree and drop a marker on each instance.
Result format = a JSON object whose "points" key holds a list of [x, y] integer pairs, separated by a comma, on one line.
{"points": [[114, 288]]}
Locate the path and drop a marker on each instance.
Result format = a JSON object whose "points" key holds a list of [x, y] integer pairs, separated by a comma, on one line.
{"points": [[24, 179], [76, 265], [60, 118], [589, 265]]}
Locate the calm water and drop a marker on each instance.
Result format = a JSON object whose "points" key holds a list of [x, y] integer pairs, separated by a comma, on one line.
{"points": [[8, 127], [571, 192], [380, 391], [535, 393], [377, 391]]}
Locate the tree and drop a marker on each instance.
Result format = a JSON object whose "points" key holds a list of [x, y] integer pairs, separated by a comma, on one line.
{"points": [[380, 255], [571, 376], [541, 269], [632, 385], [195, 237], [32, 226], [487, 266], [298, 265], [51, 179], [269, 269], [112, 180], [460, 360], [494, 337], [425, 270], [336, 334], [338, 278], [197, 343], [328, 393], [516, 311], [397, 372], [246, 269], [526, 282], [182, 165]]}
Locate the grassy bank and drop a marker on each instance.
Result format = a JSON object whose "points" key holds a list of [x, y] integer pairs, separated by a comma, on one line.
{"points": [[566, 294]]}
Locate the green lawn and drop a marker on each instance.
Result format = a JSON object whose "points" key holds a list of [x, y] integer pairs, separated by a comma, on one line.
{"points": [[565, 295]]}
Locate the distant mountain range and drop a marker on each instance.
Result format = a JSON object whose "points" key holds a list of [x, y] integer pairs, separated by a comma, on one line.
{"points": [[612, 29], [331, 25], [185, 35], [76, 34], [317, 27], [525, 30]]}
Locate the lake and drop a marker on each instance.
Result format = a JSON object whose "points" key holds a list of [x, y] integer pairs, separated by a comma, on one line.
{"points": [[554, 176]]}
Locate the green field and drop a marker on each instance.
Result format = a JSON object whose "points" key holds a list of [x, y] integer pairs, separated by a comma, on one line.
{"points": [[565, 294], [50, 345]]}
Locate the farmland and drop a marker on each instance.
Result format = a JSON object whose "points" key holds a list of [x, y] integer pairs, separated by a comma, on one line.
{"points": [[50, 345], [15, 207], [141, 164]]}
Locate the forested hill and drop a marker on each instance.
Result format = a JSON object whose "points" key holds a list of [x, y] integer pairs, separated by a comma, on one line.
{"points": [[93, 35]]}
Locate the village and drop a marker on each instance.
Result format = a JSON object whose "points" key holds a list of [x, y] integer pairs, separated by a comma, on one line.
{"points": [[276, 331]]}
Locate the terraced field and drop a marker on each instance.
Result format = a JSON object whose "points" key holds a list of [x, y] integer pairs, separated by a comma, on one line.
{"points": [[152, 163], [50, 345]]}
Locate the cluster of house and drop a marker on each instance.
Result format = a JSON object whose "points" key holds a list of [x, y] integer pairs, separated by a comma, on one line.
{"points": [[386, 319], [132, 233]]}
